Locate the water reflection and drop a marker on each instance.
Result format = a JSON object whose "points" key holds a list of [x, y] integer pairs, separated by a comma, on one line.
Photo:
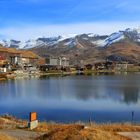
{"points": [[103, 95], [131, 94], [80, 88]]}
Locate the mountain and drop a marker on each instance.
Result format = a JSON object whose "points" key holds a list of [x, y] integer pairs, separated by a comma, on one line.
{"points": [[39, 42], [86, 48], [71, 40]]}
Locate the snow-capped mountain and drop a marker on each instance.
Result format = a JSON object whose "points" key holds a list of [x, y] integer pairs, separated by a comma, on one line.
{"points": [[115, 37], [69, 40], [72, 40], [85, 48], [10, 43]]}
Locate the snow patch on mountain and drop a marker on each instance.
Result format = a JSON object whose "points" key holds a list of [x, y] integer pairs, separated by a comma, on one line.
{"points": [[115, 37], [64, 37], [138, 30], [85, 38], [10, 43], [91, 35], [28, 44], [5, 43], [70, 40], [99, 43]]}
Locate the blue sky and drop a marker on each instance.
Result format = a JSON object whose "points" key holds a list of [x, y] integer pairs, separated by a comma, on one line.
{"points": [[23, 19]]}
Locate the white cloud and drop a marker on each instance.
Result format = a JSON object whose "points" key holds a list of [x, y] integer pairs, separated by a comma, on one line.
{"points": [[33, 31]]}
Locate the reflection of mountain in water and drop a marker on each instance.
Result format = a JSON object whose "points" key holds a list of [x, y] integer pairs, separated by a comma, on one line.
{"points": [[131, 94], [115, 88], [126, 95], [122, 91]]}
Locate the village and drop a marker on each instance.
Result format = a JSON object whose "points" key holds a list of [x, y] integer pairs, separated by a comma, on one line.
{"points": [[16, 63]]}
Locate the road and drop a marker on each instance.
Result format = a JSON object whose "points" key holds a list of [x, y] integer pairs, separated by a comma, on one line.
{"points": [[21, 134], [132, 135]]}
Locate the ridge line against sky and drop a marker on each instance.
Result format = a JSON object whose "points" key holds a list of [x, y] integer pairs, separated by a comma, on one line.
{"points": [[22, 19]]}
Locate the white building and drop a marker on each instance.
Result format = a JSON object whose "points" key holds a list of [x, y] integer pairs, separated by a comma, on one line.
{"points": [[57, 61]]}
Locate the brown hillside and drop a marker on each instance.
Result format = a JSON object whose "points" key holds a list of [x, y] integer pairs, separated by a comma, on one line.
{"points": [[127, 50]]}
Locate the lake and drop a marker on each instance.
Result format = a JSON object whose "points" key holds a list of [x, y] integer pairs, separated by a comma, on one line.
{"points": [[103, 98]]}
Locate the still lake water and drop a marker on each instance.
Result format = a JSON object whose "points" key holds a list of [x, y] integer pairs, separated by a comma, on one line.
{"points": [[104, 98]]}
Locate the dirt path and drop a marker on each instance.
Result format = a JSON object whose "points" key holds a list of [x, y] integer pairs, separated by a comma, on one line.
{"points": [[21, 134], [132, 135]]}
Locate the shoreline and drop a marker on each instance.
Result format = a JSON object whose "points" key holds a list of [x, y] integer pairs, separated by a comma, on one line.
{"points": [[8, 76]]}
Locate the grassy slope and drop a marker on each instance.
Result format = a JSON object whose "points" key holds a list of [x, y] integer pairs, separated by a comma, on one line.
{"points": [[78, 132], [54, 131]]}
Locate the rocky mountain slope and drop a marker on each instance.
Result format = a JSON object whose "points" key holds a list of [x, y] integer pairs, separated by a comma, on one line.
{"points": [[86, 48]]}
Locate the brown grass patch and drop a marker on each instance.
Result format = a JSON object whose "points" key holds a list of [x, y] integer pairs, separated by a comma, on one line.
{"points": [[117, 127], [4, 137], [78, 132]]}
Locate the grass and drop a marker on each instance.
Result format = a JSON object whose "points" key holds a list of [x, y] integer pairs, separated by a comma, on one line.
{"points": [[76, 131], [79, 132], [4, 137], [116, 127]]}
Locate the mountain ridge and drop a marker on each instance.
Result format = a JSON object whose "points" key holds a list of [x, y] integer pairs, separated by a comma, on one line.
{"points": [[86, 48], [94, 39]]}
